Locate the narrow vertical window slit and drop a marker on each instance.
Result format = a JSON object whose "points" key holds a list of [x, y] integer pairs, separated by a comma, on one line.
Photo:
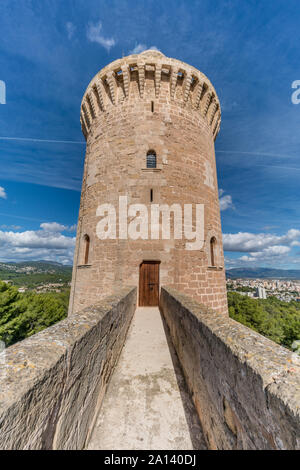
{"points": [[86, 249]]}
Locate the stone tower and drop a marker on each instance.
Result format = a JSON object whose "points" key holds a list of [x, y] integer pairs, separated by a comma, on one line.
{"points": [[150, 123]]}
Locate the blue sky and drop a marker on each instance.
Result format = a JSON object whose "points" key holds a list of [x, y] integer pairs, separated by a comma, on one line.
{"points": [[50, 50]]}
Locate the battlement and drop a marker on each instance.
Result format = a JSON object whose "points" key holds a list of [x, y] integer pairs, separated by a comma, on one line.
{"points": [[188, 87]]}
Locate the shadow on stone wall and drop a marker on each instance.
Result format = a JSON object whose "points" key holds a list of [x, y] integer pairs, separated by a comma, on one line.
{"points": [[246, 388], [55, 380]]}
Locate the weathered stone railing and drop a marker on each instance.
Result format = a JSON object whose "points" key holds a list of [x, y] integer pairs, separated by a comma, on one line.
{"points": [[54, 381], [246, 388]]}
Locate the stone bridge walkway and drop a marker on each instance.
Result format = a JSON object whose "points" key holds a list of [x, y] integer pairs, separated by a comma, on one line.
{"points": [[147, 405]]}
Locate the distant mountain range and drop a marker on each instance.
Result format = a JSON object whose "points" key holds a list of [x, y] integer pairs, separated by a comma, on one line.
{"points": [[35, 273], [41, 266], [262, 273], [10, 269]]}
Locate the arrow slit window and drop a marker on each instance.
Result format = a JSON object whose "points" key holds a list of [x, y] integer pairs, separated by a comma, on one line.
{"points": [[86, 249], [213, 246]]}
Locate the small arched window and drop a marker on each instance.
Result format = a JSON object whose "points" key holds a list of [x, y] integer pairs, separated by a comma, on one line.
{"points": [[213, 247], [151, 159], [86, 249]]}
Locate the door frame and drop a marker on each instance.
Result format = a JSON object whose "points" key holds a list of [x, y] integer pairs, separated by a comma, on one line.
{"points": [[149, 261]]}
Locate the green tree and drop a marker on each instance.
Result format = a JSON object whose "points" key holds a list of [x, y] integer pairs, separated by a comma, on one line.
{"points": [[24, 314], [271, 317]]}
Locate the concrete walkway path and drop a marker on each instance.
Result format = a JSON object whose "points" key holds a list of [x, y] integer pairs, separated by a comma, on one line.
{"points": [[147, 405]]}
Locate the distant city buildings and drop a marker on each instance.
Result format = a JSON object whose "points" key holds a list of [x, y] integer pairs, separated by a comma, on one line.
{"points": [[285, 290], [261, 292]]}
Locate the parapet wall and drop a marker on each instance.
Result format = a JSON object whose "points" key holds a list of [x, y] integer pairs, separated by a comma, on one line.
{"points": [[53, 383], [246, 388]]}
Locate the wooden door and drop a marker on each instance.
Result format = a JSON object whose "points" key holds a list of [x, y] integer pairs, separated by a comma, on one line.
{"points": [[149, 284]]}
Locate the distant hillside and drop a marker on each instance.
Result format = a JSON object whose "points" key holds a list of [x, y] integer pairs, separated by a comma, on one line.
{"points": [[262, 273], [40, 265], [33, 273]]}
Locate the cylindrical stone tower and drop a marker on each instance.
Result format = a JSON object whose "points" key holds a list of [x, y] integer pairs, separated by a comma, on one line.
{"points": [[150, 123]]}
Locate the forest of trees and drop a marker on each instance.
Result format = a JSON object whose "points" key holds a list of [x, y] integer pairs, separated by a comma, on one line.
{"points": [[24, 314], [273, 318]]}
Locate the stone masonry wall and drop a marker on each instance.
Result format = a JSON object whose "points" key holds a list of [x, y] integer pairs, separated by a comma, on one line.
{"points": [[136, 104], [52, 384], [246, 388]]}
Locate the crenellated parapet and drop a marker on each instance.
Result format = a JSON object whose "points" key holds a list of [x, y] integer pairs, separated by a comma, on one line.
{"points": [[187, 86]]}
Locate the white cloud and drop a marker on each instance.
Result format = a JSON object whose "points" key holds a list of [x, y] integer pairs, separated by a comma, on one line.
{"points": [[94, 35], [72, 228], [274, 251], [269, 227], [141, 48], [71, 28], [35, 239], [53, 227], [56, 227], [47, 243], [3, 193], [251, 242], [261, 247], [225, 201], [267, 253], [12, 227]]}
